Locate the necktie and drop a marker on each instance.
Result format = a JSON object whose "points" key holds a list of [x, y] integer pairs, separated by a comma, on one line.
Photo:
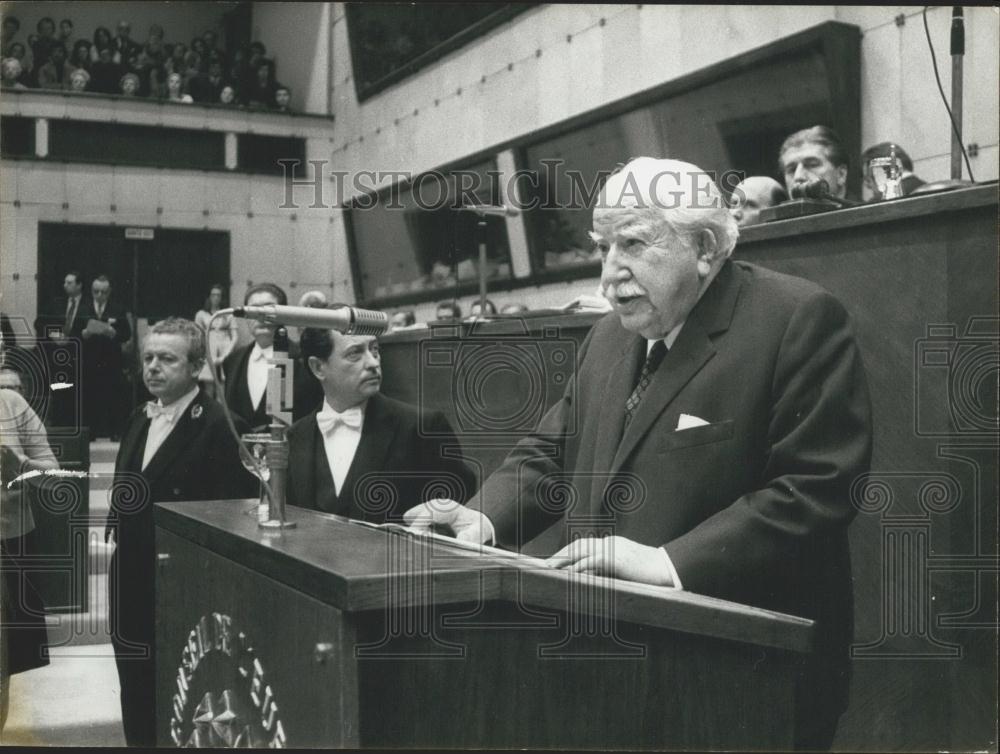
{"points": [[656, 354], [328, 420], [154, 410], [70, 316]]}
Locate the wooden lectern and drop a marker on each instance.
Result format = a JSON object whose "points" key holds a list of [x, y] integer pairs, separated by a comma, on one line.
{"points": [[334, 634]]}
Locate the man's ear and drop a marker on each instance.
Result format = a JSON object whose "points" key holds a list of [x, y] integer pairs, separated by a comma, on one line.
{"points": [[316, 367], [708, 250], [842, 175]]}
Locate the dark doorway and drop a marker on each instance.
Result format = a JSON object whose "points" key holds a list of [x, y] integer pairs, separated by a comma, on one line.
{"points": [[154, 272], [167, 274]]}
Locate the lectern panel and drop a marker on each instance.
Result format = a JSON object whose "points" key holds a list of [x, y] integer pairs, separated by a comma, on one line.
{"points": [[246, 658]]}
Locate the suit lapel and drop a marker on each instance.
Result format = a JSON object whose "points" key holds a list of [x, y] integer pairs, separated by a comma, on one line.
{"points": [[373, 449], [617, 387], [690, 352], [180, 437]]}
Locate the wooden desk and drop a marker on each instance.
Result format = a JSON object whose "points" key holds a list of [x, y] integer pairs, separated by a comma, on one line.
{"points": [[336, 635]]}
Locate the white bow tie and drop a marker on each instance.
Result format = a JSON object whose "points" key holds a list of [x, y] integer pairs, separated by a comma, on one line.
{"points": [[264, 353], [328, 419], [154, 410]]}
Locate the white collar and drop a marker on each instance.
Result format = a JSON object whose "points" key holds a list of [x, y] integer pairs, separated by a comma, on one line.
{"points": [[179, 406], [668, 341]]}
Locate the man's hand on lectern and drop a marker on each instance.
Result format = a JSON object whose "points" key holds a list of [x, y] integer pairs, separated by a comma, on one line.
{"points": [[463, 523], [616, 557]]}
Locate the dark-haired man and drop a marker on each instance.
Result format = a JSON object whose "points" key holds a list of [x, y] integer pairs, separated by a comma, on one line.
{"points": [[177, 447], [812, 155], [341, 457], [245, 368]]}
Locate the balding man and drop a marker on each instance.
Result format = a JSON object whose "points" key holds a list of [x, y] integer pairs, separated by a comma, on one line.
{"points": [[727, 406], [813, 155], [753, 194]]}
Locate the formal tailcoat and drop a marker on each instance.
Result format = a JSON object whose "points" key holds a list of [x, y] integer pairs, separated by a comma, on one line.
{"points": [[751, 506], [404, 457], [198, 460]]}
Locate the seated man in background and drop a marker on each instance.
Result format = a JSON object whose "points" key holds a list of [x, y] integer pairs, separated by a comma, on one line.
{"points": [[726, 403], [178, 448], [909, 182], [400, 319], [753, 194], [342, 457], [245, 368], [813, 155]]}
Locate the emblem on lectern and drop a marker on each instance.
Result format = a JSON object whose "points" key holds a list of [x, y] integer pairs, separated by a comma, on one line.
{"points": [[222, 697]]}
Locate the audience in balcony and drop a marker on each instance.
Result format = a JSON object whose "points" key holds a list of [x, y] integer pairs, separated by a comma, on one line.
{"points": [[208, 73]]}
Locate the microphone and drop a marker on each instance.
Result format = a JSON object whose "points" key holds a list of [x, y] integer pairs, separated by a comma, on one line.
{"points": [[492, 210], [818, 189], [345, 319]]}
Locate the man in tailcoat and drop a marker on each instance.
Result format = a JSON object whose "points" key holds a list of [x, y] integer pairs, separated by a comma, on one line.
{"points": [[177, 447]]}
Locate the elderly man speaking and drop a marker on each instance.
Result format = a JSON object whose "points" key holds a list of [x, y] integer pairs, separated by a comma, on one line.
{"points": [[722, 416]]}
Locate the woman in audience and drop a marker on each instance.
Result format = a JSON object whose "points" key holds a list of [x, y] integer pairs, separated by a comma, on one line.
{"points": [[102, 41], [198, 46], [175, 89], [129, 85], [79, 80], [12, 74], [227, 96], [80, 57], [192, 66], [221, 336], [175, 59]]}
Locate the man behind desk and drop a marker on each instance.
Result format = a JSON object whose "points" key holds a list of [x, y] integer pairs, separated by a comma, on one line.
{"points": [[741, 447], [245, 368], [346, 455], [178, 448]]}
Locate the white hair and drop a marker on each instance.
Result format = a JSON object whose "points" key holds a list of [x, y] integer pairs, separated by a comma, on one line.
{"points": [[687, 196]]}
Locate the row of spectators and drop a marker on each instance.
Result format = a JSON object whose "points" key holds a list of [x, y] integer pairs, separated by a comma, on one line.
{"points": [[198, 72]]}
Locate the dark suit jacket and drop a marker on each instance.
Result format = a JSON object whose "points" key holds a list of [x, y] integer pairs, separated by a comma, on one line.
{"points": [[101, 354], [402, 459], [754, 506], [307, 395], [198, 460], [55, 317]]}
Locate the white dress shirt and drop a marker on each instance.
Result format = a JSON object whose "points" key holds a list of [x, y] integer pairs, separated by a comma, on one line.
{"points": [[257, 372], [341, 435], [161, 425]]}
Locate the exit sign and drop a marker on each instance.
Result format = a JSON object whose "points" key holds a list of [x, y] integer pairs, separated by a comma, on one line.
{"points": [[139, 234]]}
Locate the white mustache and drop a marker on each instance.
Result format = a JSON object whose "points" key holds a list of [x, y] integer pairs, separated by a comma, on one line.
{"points": [[623, 291]]}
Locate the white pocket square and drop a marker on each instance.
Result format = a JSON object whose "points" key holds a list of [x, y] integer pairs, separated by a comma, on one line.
{"points": [[687, 421]]}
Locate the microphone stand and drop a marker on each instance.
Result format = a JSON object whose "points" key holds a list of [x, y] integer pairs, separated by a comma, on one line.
{"points": [[279, 407], [957, 57], [481, 234], [276, 502]]}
